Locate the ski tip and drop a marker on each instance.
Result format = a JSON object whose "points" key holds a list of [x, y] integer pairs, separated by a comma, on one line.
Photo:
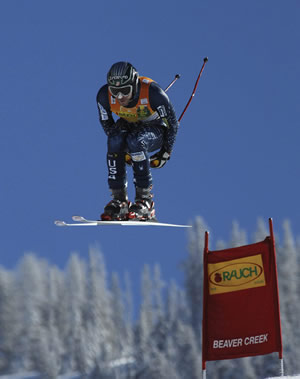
{"points": [[78, 218], [59, 223]]}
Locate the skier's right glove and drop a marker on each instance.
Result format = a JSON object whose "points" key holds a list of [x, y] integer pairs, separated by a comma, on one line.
{"points": [[159, 159], [128, 159]]}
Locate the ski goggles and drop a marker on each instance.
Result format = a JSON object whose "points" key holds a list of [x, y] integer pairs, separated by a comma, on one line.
{"points": [[124, 91]]}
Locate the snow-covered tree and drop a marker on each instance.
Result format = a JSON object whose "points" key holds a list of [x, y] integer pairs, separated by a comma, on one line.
{"points": [[128, 312], [289, 274], [238, 235], [194, 274], [50, 342], [120, 341], [144, 327], [9, 326], [188, 356], [76, 298], [98, 309], [31, 298], [261, 231]]}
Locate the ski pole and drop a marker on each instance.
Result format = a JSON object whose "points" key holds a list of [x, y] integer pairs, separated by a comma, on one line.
{"points": [[177, 76], [196, 85]]}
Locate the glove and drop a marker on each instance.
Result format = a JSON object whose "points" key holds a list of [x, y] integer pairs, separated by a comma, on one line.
{"points": [[158, 160], [128, 159]]}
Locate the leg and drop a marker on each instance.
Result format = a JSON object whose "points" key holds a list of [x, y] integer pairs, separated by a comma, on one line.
{"points": [[140, 142], [116, 161], [117, 208]]}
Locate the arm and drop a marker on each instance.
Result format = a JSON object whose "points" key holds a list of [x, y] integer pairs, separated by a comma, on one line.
{"points": [[160, 102], [105, 114]]}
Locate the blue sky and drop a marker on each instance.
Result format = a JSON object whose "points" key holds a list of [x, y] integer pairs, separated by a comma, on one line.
{"points": [[237, 150]]}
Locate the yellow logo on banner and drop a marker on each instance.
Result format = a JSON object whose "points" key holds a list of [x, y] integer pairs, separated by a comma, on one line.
{"points": [[236, 275]]}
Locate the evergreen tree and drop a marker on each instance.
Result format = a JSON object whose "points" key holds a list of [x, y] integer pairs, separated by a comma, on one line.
{"points": [[146, 314], [98, 310], [31, 299], [128, 312], [238, 236], [288, 272], [261, 231], [158, 286], [193, 272], [50, 344], [76, 297], [9, 327], [48, 358], [188, 356], [120, 342], [156, 365]]}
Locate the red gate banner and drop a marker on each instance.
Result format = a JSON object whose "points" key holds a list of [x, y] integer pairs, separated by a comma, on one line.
{"points": [[241, 304]]}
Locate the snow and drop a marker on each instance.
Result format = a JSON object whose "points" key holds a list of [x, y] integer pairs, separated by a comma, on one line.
{"points": [[35, 375], [122, 361]]}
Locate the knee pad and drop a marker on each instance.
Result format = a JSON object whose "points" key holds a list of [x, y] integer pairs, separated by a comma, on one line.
{"points": [[138, 156]]}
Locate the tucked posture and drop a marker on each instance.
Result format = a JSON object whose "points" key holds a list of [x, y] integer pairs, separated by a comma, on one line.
{"points": [[147, 124]]}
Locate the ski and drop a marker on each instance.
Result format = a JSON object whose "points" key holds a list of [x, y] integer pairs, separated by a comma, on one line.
{"points": [[82, 221], [63, 223]]}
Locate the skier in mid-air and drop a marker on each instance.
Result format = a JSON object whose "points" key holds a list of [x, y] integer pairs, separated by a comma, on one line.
{"points": [[147, 123]]}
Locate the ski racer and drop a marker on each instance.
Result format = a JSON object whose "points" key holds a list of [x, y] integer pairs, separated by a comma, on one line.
{"points": [[147, 123]]}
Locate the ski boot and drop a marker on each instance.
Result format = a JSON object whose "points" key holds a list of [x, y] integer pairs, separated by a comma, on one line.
{"points": [[143, 207], [117, 209]]}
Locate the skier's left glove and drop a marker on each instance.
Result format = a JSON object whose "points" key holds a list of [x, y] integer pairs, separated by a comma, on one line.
{"points": [[158, 160]]}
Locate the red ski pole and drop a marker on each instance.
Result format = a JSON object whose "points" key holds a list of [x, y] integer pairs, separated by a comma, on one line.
{"points": [[194, 90]]}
